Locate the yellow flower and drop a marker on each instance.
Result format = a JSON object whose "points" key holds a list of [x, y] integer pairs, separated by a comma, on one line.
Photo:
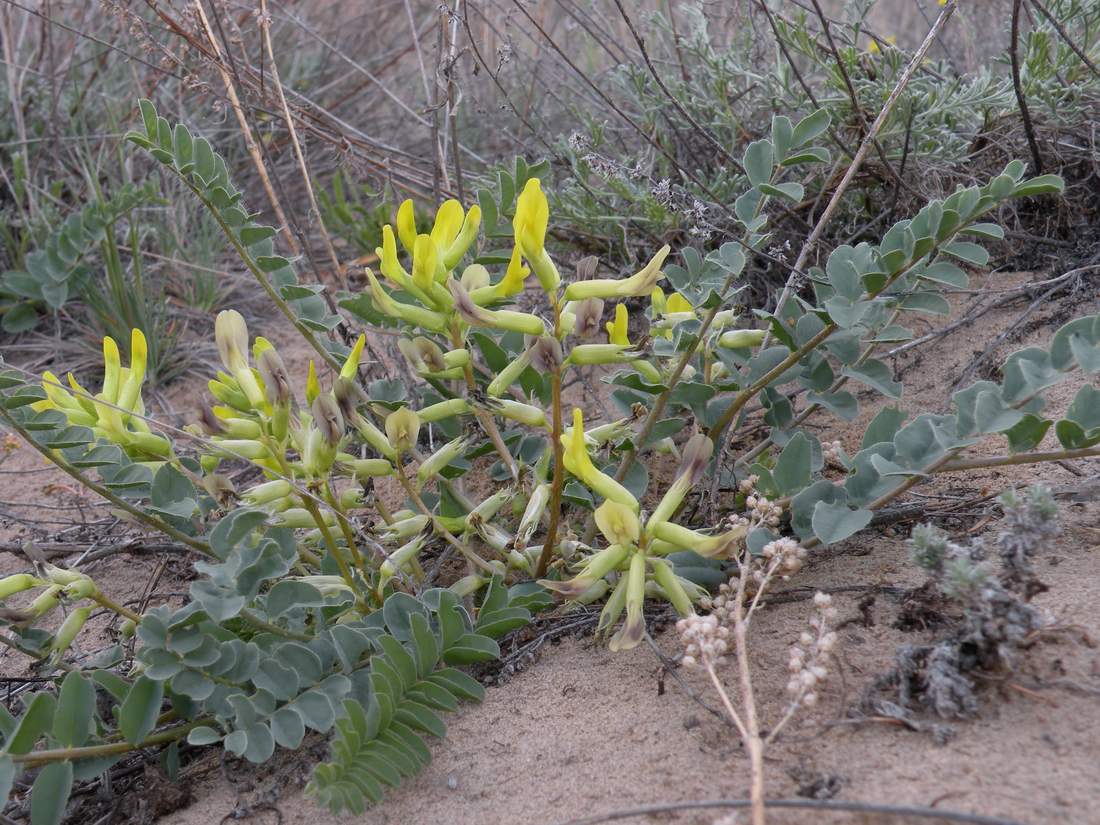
{"points": [[532, 218], [632, 632], [892, 40], [448, 222], [617, 329], [414, 315], [677, 303], [515, 275], [641, 283], [425, 262], [579, 463], [618, 523]]}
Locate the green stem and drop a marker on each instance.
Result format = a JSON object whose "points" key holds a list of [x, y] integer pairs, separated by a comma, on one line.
{"points": [[345, 528], [264, 281], [37, 758], [112, 605], [265, 625], [558, 481], [963, 464], [330, 541], [868, 351], [484, 418], [451, 539], [139, 514]]}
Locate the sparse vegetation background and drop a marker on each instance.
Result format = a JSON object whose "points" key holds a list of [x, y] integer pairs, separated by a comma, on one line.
{"points": [[356, 353]]}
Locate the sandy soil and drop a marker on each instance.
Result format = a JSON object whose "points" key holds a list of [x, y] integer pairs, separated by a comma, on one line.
{"points": [[582, 731]]}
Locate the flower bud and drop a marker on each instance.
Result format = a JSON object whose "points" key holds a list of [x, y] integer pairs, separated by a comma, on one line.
{"points": [[741, 338], [364, 468], [267, 492], [434, 463], [508, 376], [69, 628], [10, 585], [517, 411], [444, 409]]}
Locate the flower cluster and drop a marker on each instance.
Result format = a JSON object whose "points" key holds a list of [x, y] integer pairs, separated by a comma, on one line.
{"points": [[808, 656], [705, 639], [832, 453], [762, 511], [783, 557]]}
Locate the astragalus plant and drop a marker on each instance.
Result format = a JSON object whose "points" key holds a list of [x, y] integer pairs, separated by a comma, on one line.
{"points": [[317, 606]]}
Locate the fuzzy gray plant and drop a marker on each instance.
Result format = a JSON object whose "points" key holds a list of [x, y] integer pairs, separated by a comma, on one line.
{"points": [[992, 591]]}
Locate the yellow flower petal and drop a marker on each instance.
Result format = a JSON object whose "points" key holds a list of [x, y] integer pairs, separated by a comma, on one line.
{"points": [[532, 218], [448, 222], [617, 329], [406, 225]]}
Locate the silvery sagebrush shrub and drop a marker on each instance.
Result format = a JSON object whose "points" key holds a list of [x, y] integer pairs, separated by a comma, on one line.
{"points": [[310, 609], [991, 590]]}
